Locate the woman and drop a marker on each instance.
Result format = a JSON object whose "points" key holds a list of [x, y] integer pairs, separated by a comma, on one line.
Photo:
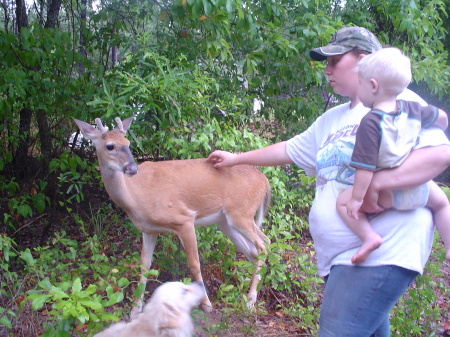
{"points": [[357, 298]]}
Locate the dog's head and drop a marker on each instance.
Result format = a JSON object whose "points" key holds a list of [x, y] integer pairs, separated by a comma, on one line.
{"points": [[174, 302]]}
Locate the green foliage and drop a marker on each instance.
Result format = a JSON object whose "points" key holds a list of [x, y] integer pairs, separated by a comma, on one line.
{"points": [[38, 92], [74, 173], [190, 70], [172, 100], [98, 222], [416, 27], [10, 281], [23, 205], [37, 74], [418, 313], [70, 301], [75, 282]]}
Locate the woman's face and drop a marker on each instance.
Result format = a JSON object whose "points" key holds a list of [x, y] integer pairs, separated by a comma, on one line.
{"points": [[342, 75]]}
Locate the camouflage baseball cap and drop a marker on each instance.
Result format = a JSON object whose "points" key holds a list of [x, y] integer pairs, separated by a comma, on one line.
{"points": [[344, 40]]}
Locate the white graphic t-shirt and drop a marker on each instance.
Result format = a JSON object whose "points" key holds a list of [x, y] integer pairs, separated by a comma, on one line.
{"points": [[325, 150]]}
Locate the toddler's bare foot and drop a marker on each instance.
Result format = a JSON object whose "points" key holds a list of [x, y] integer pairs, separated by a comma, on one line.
{"points": [[367, 247]]}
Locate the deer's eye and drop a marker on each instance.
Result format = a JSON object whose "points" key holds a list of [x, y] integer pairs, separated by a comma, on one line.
{"points": [[110, 147]]}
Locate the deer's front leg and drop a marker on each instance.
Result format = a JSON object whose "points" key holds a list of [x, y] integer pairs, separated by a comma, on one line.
{"points": [[186, 233], [148, 247]]}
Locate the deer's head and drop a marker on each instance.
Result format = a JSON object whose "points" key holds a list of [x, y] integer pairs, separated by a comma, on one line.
{"points": [[113, 149]]}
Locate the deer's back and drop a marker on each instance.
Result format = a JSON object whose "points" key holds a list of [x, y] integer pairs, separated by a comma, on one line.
{"points": [[198, 185]]}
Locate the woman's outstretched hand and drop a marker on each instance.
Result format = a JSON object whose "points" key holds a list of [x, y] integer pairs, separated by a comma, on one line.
{"points": [[222, 158]]}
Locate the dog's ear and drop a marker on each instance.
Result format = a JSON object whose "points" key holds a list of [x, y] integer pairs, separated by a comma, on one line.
{"points": [[170, 317]]}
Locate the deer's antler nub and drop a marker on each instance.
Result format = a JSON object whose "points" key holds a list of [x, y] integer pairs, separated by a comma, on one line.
{"points": [[119, 124], [100, 125]]}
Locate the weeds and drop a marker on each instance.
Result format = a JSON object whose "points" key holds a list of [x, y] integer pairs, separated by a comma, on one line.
{"points": [[73, 284], [75, 287]]}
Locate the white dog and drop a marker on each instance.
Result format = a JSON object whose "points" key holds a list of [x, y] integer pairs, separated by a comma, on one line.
{"points": [[167, 314]]}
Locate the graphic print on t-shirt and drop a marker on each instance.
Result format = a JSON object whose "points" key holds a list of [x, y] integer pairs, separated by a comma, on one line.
{"points": [[334, 157]]}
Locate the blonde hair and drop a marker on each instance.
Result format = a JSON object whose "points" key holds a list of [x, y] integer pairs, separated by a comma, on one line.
{"points": [[390, 67]]}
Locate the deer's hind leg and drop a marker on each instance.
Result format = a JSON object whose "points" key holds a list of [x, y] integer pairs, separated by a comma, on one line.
{"points": [[251, 241]]}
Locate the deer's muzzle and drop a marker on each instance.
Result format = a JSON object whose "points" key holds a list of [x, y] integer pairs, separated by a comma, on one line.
{"points": [[130, 169]]}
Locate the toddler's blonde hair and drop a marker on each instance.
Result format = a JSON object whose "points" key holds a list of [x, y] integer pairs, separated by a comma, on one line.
{"points": [[390, 67]]}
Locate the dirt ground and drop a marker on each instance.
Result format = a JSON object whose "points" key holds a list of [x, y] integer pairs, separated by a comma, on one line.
{"points": [[236, 325]]}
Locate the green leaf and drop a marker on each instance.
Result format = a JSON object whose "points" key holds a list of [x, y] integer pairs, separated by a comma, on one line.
{"points": [[405, 25], [207, 7], [6, 322], [76, 287], [230, 6], [196, 10], [38, 300], [58, 294], [107, 316], [91, 304], [91, 289], [45, 284], [24, 210], [27, 257], [123, 282], [113, 298], [139, 290], [151, 272], [39, 202], [227, 288]]}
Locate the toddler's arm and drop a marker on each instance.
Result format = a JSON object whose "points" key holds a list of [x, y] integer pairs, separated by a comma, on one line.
{"points": [[360, 186]]}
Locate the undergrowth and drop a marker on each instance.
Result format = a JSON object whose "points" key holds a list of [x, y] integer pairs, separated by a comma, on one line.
{"points": [[78, 286], [74, 285]]}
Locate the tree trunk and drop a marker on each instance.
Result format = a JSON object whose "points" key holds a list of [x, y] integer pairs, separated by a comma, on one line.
{"points": [[6, 15], [113, 56], [40, 12], [45, 139], [21, 15], [82, 29], [21, 159], [53, 14], [41, 116]]}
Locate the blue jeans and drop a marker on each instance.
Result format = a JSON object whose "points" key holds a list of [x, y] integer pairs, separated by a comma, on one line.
{"points": [[357, 300]]}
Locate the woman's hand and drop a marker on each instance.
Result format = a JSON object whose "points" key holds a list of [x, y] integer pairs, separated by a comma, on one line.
{"points": [[370, 207], [271, 155], [371, 201], [353, 207], [222, 158]]}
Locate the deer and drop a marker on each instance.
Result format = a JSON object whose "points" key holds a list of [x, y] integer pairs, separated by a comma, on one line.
{"points": [[178, 195]]}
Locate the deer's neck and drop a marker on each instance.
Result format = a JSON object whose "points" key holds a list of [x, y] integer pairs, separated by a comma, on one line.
{"points": [[119, 190]]}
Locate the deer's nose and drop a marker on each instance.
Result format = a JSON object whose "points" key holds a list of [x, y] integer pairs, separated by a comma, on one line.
{"points": [[130, 169]]}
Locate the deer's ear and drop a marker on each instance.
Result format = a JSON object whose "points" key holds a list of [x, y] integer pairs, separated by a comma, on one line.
{"points": [[126, 123], [88, 131]]}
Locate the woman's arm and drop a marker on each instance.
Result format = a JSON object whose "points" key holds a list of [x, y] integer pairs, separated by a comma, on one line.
{"points": [[272, 155], [442, 120], [422, 165]]}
